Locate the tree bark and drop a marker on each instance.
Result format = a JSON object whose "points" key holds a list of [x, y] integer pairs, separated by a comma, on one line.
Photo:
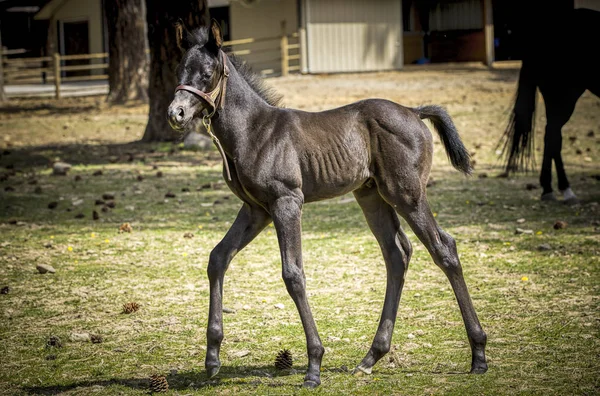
{"points": [[127, 58], [165, 55], [2, 94]]}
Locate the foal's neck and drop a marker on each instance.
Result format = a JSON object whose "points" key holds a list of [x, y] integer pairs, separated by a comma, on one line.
{"points": [[241, 114]]}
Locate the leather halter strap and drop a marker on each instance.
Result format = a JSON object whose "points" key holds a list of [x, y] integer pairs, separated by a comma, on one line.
{"points": [[216, 97]]}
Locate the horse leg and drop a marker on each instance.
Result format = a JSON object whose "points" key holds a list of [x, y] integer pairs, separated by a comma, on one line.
{"points": [[442, 248], [559, 108], [249, 223], [396, 250], [546, 173], [286, 213]]}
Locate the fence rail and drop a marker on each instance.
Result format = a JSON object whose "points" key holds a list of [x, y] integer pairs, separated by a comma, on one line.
{"points": [[268, 56]]}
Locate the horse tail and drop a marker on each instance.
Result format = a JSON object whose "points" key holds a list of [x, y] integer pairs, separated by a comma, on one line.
{"points": [[517, 142], [455, 149]]}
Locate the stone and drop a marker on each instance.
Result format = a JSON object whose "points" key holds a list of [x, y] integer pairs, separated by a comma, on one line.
{"points": [[45, 268], [60, 168], [519, 231], [196, 141], [544, 247], [240, 354], [80, 337]]}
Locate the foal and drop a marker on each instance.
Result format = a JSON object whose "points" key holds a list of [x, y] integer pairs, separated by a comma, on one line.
{"points": [[277, 159]]}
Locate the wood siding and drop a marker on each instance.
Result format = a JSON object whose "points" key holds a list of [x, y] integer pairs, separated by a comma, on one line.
{"points": [[353, 35]]}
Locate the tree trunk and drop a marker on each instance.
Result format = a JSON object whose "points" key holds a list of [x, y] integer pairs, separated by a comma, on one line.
{"points": [[2, 94], [127, 59], [165, 55]]}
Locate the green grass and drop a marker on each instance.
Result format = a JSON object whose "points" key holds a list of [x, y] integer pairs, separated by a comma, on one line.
{"points": [[543, 332]]}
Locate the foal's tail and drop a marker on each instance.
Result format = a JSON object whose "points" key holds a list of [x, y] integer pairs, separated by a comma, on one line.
{"points": [[457, 153], [517, 142]]}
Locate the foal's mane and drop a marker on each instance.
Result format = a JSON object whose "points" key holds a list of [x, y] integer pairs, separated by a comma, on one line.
{"points": [[256, 82]]}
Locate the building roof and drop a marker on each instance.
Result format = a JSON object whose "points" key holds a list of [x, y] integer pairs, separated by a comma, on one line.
{"points": [[23, 6], [49, 9]]}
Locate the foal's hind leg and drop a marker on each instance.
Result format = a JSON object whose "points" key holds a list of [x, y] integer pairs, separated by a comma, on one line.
{"points": [[410, 202], [248, 224], [396, 250]]}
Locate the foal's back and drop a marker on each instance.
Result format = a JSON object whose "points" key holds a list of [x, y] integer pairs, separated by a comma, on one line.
{"points": [[338, 150]]}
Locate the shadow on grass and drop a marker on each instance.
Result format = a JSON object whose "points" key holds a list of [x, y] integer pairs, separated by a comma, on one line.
{"points": [[246, 376], [250, 376], [64, 106], [26, 158], [10, 108]]}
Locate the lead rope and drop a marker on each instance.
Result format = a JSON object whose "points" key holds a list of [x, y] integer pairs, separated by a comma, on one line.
{"points": [[208, 125]]}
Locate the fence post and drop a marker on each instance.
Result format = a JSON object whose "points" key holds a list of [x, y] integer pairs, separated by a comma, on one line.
{"points": [[284, 51], [57, 74]]}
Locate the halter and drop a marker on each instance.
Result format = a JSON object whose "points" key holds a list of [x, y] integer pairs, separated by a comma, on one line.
{"points": [[215, 100]]}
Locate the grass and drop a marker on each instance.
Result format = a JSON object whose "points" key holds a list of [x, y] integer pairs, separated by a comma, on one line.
{"points": [[539, 308]]}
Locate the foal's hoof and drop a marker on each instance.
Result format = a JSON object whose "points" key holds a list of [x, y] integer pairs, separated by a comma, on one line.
{"points": [[360, 371], [310, 384], [211, 372], [548, 197], [479, 368]]}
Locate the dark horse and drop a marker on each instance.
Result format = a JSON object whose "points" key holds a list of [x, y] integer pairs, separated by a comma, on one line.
{"points": [[278, 159], [555, 61]]}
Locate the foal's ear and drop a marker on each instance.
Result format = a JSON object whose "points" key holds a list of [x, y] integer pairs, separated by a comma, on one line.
{"points": [[215, 39], [182, 36]]}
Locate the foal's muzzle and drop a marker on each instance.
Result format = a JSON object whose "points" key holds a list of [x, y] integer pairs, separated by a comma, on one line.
{"points": [[181, 110], [176, 116]]}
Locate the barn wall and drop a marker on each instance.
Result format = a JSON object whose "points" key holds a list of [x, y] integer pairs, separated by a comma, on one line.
{"points": [[84, 10], [353, 35], [462, 15], [261, 20], [412, 47], [590, 4], [457, 32]]}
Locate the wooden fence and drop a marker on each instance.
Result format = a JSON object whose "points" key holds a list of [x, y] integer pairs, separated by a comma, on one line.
{"points": [[268, 56]]}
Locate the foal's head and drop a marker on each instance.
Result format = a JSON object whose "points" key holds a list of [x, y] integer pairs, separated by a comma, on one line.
{"points": [[199, 76]]}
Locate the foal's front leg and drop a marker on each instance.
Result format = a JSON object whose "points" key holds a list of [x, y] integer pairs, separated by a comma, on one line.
{"points": [[286, 213], [249, 223]]}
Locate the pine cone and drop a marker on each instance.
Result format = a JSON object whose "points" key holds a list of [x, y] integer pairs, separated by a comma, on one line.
{"points": [[130, 307], [284, 360], [158, 383], [53, 341], [96, 338], [125, 227], [559, 225]]}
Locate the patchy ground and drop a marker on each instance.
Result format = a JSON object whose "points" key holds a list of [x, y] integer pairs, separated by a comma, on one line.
{"points": [[537, 293]]}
